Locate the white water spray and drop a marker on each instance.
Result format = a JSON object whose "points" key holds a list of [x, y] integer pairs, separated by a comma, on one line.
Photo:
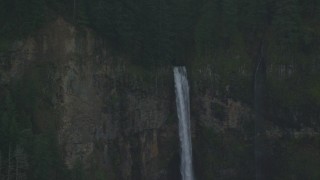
{"points": [[183, 109]]}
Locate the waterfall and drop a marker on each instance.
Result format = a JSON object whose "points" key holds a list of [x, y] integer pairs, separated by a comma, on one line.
{"points": [[183, 109]]}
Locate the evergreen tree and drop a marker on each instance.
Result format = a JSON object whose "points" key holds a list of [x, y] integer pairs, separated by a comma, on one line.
{"points": [[8, 128], [125, 23], [81, 12], [21, 164], [46, 163], [230, 17], [103, 19], [0, 165], [253, 17], [2, 14], [287, 22], [165, 32], [77, 172], [42, 159], [9, 164], [1, 176], [207, 35], [29, 15]]}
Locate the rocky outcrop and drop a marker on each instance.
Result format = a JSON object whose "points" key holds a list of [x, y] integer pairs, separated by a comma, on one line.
{"points": [[110, 115]]}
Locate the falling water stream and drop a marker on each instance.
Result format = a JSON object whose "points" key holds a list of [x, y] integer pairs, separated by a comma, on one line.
{"points": [[183, 110]]}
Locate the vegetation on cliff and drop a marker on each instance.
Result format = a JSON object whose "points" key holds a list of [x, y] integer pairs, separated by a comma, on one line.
{"points": [[228, 37]]}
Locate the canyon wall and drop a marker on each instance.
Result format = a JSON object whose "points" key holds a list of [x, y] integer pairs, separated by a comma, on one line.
{"points": [[120, 119]]}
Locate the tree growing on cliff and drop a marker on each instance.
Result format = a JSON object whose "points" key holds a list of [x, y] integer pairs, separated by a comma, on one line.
{"points": [[77, 172], [9, 127], [0, 165], [80, 12], [287, 22], [21, 164]]}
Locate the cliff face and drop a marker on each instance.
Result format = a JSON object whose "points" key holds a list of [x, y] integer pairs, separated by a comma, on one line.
{"points": [[109, 115], [120, 120]]}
